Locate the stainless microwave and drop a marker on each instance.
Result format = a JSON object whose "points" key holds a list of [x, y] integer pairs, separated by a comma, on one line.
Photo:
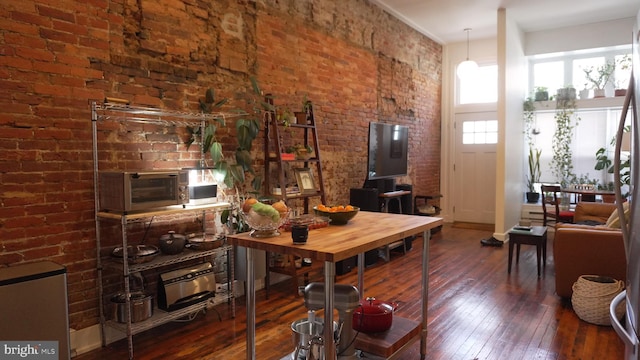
{"points": [[125, 191]]}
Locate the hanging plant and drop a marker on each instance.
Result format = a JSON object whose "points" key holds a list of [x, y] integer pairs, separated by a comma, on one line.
{"points": [[562, 161], [528, 111]]}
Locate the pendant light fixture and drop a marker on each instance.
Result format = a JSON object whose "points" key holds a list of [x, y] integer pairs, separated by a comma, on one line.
{"points": [[467, 67]]}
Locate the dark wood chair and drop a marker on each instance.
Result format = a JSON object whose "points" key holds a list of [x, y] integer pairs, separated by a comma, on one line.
{"points": [[551, 206]]}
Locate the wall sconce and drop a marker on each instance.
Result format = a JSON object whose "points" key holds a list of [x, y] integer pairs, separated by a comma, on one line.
{"points": [[467, 67]]}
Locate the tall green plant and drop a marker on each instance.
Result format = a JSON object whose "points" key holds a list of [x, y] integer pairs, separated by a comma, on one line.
{"points": [[562, 160], [534, 169], [247, 130]]}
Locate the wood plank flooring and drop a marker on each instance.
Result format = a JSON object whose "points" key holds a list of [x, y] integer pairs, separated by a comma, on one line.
{"points": [[476, 311]]}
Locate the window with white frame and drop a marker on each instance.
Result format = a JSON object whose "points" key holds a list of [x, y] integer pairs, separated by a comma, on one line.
{"points": [[555, 71], [597, 126], [480, 87], [480, 132]]}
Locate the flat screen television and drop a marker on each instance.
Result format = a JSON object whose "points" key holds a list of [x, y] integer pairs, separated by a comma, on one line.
{"points": [[388, 148]]}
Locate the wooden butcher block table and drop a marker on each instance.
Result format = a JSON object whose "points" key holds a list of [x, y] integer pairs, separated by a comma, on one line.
{"points": [[367, 231]]}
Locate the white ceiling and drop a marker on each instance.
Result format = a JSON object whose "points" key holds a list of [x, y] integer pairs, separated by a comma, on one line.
{"points": [[445, 20]]}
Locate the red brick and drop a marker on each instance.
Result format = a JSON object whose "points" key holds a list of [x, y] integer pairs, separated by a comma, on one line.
{"points": [[45, 128]]}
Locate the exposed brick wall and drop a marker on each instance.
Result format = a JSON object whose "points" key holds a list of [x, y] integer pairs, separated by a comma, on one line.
{"points": [[355, 62]]}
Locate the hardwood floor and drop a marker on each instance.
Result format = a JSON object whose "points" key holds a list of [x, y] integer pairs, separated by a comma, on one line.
{"points": [[476, 311]]}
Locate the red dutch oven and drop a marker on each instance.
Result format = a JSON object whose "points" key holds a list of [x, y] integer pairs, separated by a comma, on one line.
{"points": [[373, 316]]}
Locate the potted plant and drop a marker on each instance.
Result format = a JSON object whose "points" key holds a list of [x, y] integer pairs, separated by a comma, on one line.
{"points": [[534, 175], [286, 117], [624, 64], [600, 78], [303, 115], [604, 163], [541, 93], [584, 93], [302, 152], [567, 93]]}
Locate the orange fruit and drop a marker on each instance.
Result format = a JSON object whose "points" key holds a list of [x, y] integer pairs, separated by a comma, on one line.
{"points": [[246, 206]]}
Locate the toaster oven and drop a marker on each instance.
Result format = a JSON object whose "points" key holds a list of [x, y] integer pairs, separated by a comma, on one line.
{"points": [[185, 287], [124, 191]]}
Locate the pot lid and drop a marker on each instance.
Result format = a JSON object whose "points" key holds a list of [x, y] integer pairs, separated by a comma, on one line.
{"points": [[202, 239], [171, 235], [122, 297], [136, 251], [371, 306]]}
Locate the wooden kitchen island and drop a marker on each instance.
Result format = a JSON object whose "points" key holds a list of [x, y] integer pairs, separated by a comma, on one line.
{"points": [[367, 231]]}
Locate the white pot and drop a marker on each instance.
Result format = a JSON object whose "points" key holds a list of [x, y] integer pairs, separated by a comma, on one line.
{"points": [[584, 94], [598, 93]]}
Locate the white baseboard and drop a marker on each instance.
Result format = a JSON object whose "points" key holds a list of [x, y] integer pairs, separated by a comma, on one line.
{"points": [[85, 340]]}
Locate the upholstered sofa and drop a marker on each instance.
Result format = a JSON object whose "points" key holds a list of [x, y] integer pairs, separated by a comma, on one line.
{"points": [[588, 249]]}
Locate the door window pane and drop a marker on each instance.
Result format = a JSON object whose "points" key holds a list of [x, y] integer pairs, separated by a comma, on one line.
{"points": [[480, 132]]}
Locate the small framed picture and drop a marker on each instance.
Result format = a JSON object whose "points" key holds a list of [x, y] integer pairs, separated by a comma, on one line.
{"points": [[305, 181]]}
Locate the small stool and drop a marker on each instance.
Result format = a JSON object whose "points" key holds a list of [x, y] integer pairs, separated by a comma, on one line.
{"points": [[386, 198], [536, 235]]}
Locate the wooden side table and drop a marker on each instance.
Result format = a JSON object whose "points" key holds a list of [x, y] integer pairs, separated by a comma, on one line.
{"points": [[537, 235]]}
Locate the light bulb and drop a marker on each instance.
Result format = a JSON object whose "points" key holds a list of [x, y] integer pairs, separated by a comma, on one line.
{"points": [[466, 69]]}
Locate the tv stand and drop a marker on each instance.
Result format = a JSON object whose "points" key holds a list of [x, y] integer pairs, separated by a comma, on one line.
{"points": [[382, 185]]}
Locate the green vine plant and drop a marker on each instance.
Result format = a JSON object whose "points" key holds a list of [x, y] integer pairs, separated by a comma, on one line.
{"points": [[528, 111], [562, 161]]}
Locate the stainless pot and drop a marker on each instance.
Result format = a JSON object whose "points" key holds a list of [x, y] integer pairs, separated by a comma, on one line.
{"points": [[172, 243], [307, 338], [205, 242], [141, 307]]}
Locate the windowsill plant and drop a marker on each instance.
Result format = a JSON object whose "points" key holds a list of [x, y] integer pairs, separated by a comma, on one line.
{"points": [[600, 78], [534, 175]]}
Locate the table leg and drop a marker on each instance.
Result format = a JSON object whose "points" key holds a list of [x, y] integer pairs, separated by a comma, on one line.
{"points": [[538, 256], [251, 306], [544, 250], [510, 255], [361, 275], [329, 285], [426, 235], [518, 253]]}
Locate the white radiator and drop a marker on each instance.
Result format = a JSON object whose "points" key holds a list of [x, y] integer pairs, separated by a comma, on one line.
{"points": [[532, 213]]}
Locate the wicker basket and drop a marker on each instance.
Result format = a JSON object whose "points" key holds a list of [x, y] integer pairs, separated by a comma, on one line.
{"points": [[592, 296]]}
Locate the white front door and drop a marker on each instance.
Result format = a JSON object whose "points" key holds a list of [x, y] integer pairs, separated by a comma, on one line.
{"points": [[475, 167]]}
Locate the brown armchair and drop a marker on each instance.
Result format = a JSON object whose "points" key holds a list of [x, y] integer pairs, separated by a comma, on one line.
{"points": [[588, 250]]}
